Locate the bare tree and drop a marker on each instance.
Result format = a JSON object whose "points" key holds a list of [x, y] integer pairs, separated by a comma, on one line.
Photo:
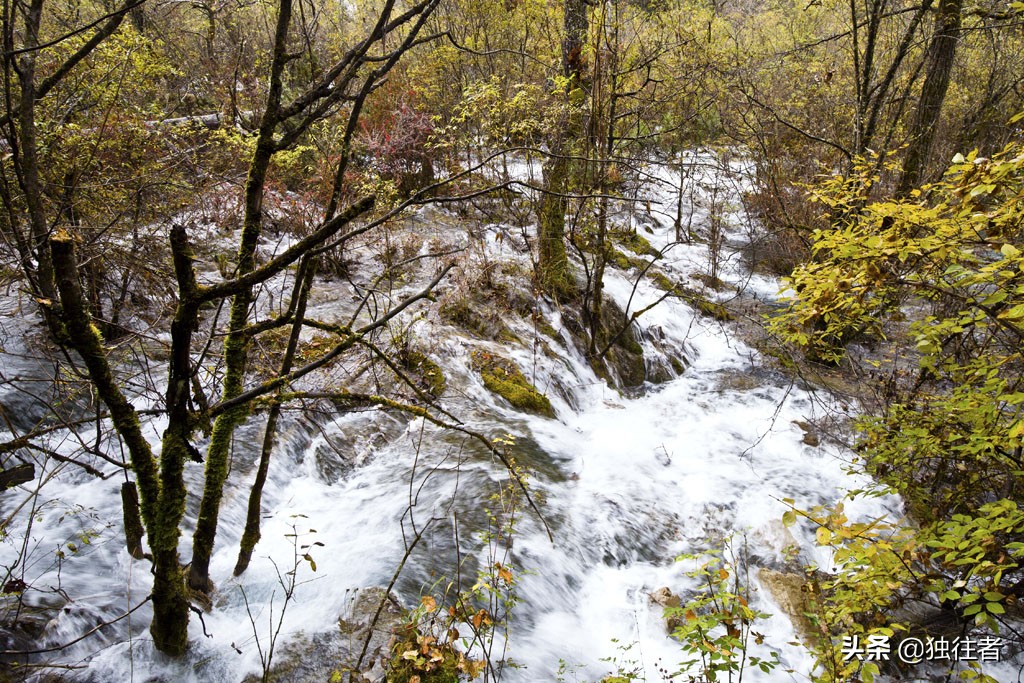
{"points": [[48, 242]]}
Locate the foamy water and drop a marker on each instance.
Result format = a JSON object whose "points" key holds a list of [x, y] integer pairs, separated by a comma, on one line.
{"points": [[628, 483]]}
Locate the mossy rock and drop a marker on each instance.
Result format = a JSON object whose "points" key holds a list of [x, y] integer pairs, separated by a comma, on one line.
{"points": [[624, 261], [503, 378], [546, 328], [704, 306], [665, 284], [629, 364], [715, 283], [711, 309], [432, 378], [478, 320], [618, 259], [625, 356], [507, 336], [636, 244]]}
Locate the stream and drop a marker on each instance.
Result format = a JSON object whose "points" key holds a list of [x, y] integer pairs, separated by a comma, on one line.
{"points": [[626, 484]]}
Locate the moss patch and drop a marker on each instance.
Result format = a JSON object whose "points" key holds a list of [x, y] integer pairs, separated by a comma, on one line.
{"points": [[662, 282], [714, 283], [618, 259], [711, 308], [477, 320], [431, 376], [624, 261], [703, 305], [546, 328], [503, 378], [636, 244]]}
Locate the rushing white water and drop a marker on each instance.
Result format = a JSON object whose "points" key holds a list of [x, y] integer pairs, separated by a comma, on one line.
{"points": [[628, 483]]}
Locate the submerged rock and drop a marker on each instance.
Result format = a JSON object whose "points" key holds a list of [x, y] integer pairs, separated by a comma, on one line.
{"points": [[670, 601], [504, 378], [334, 655], [810, 437], [789, 592]]}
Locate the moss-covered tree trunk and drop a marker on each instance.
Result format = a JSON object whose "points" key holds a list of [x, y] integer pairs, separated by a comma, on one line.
{"points": [[236, 353], [552, 261], [553, 269], [236, 343], [40, 274], [162, 496]]}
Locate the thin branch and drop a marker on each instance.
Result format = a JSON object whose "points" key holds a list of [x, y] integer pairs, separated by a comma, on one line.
{"points": [[350, 340]]}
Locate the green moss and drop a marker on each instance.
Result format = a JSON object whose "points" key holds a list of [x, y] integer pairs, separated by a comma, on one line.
{"points": [[432, 376], [507, 336], [478, 320], [545, 328], [662, 282], [618, 259], [636, 244], [456, 312], [627, 357], [630, 344], [714, 283], [703, 305], [711, 308], [624, 261], [503, 378]]}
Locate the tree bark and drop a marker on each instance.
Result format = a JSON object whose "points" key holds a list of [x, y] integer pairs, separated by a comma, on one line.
{"points": [[941, 53], [552, 261], [133, 530], [236, 343], [163, 498]]}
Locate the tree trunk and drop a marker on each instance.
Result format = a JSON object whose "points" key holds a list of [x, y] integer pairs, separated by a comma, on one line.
{"points": [[162, 500], [133, 530], [236, 343], [941, 52], [552, 260], [42, 275], [251, 535]]}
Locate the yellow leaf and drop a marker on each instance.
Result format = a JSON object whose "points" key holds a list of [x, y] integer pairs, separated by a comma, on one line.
{"points": [[429, 603]]}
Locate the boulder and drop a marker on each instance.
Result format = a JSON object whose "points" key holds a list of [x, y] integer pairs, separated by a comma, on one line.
{"points": [[327, 656], [788, 591]]}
